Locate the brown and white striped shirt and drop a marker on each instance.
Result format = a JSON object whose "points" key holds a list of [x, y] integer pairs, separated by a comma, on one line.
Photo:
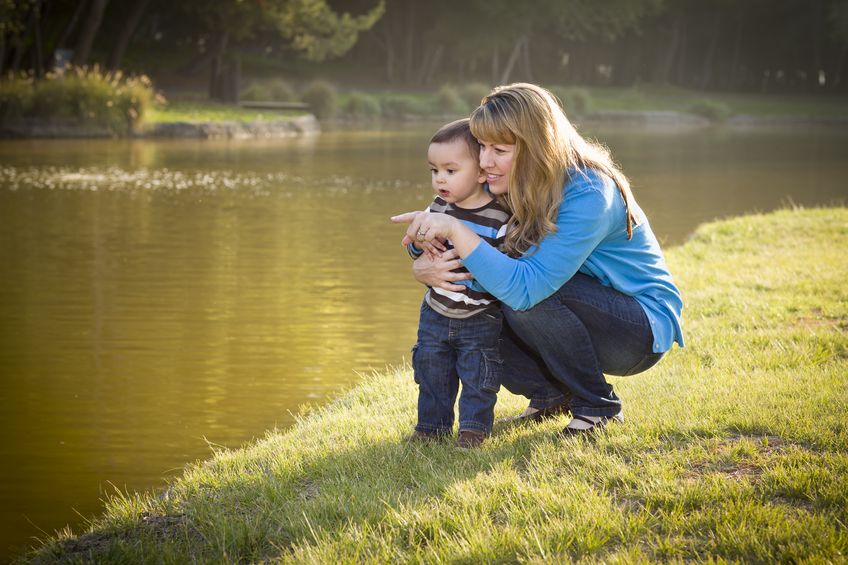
{"points": [[489, 222]]}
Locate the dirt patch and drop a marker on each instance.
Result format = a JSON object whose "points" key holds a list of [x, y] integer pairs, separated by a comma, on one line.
{"points": [[94, 544], [309, 489], [727, 461], [818, 319]]}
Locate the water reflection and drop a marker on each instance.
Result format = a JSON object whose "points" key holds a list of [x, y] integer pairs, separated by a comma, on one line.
{"points": [[159, 295]]}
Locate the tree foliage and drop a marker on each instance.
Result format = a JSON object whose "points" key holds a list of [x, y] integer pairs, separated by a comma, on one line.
{"points": [[756, 45]]}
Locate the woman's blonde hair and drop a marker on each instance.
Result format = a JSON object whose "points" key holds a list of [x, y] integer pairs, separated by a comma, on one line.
{"points": [[547, 148]]}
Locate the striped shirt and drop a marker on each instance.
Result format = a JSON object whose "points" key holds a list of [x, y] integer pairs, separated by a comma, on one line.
{"points": [[488, 222]]}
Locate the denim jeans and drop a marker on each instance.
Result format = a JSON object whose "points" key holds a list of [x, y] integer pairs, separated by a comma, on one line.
{"points": [[450, 351], [560, 349]]}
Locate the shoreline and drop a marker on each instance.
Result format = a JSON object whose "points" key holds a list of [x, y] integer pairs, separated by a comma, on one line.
{"points": [[257, 129], [309, 125]]}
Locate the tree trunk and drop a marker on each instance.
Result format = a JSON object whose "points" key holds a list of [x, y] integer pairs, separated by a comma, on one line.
{"points": [[496, 65], [217, 66], [682, 63], [18, 51], [666, 62], [410, 43], [513, 58], [389, 47], [528, 69], [88, 32], [706, 79], [433, 64], [37, 47], [72, 24], [840, 65], [123, 40], [735, 74]]}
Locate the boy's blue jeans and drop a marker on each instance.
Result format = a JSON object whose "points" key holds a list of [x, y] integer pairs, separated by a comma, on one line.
{"points": [[450, 351], [559, 350]]}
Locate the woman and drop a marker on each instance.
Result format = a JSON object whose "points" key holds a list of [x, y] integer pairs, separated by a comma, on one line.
{"points": [[585, 288]]}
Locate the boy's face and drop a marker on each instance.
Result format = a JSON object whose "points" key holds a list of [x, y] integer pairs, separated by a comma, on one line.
{"points": [[456, 175]]}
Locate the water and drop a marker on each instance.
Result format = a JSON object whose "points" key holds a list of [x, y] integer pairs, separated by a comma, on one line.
{"points": [[163, 298]]}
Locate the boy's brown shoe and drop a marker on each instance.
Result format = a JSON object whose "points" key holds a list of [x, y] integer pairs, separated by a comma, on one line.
{"points": [[469, 439], [424, 437]]}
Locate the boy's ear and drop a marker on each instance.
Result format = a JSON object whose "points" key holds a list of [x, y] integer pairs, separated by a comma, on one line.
{"points": [[481, 176]]}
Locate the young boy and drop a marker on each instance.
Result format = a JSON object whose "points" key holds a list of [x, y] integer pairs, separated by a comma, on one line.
{"points": [[458, 331]]}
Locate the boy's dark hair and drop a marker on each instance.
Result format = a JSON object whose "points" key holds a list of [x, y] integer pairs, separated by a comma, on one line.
{"points": [[458, 130]]}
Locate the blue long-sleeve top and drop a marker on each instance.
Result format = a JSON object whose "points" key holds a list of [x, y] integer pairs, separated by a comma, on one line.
{"points": [[591, 238]]}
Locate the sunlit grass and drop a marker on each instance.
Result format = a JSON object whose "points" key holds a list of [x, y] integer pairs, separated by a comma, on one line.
{"points": [[669, 98], [201, 112], [734, 447]]}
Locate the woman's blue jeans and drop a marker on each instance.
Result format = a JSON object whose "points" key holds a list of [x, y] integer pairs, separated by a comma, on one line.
{"points": [[561, 348]]}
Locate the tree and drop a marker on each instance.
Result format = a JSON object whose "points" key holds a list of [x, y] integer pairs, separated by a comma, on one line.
{"points": [[311, 27], [130, 24], [90, 25]]}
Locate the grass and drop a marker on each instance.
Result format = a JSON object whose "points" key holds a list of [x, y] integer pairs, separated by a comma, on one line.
{"points": [[636, 99], [196, 111], [734, 447], [659, 98]]}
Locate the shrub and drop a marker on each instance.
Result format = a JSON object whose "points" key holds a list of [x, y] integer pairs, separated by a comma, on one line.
{"points": [[280, 91], [575, 101], [400, 105], [88, 96], [15, 97], [472, 93], [256, 92], [361, 105], [710, 109], [321, 97], [449, 101]]}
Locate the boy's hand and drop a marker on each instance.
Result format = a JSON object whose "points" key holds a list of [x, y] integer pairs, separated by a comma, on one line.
{"points": [[433, 248]]}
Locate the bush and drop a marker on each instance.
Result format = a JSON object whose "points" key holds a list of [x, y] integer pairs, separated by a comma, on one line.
{"points": [[361, 105], [449, 101], [321, 97], [472, 93], [710, 109], [575, 101], [280, 91], [88, 96], [256, 92], [400, 105]]}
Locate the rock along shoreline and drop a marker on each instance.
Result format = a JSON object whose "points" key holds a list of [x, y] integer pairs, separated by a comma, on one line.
{"points": [[309, 125]]}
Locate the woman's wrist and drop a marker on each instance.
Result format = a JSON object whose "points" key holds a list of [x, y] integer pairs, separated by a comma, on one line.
{"points": [[463, 238]]}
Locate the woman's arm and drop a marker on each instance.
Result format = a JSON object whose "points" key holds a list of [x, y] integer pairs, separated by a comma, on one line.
{"points": [[589, 213]]}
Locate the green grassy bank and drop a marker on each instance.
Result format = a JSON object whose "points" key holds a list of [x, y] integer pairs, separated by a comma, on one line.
{"points": [[580, 103], [734, 449]]}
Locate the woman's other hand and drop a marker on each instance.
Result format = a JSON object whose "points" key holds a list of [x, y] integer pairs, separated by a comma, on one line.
{"points": [[438, 272]]}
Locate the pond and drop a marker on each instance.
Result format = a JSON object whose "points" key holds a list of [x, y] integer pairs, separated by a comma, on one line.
{"points": [[163, 298]]}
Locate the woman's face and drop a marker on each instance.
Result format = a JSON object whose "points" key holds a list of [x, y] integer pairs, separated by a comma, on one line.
{"points": [[496, 162]]}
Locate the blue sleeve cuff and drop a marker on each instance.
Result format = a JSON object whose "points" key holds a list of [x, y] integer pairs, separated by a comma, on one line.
{"points": [[413, 251]]}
